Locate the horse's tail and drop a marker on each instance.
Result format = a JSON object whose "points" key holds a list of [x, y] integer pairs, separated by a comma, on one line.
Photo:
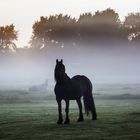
{"points": [[90, 105]]}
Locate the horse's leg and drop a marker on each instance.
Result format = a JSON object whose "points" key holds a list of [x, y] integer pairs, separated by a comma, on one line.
{"points": [[67, 121], [81, 118], [60, 118]]}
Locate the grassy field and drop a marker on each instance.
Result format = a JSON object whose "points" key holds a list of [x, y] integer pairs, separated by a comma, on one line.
{"points": [[117, 120]]}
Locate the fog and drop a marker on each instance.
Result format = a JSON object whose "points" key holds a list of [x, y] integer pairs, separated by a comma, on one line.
{"points": [[103, 64]]}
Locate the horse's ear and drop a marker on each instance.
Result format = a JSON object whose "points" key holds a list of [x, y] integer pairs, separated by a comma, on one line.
{"points": [[61, 61], [56, 60]]}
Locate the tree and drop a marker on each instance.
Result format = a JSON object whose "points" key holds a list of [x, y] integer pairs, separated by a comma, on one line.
{"points": [[132, 24], [52, 30], [101, 24], [8, 35]]}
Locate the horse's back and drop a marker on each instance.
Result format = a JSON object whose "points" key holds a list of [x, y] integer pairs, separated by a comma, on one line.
{"points": [[83, 82]]}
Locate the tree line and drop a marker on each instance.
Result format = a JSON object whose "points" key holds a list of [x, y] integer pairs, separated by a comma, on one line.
{"points": [[57, 30]]}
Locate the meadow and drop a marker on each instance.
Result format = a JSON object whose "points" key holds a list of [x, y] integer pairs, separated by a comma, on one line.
{"points": [[30, 115], [118, 119]]}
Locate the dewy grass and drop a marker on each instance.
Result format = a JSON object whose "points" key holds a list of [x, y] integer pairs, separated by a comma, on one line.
{"points": [[117, 120]]}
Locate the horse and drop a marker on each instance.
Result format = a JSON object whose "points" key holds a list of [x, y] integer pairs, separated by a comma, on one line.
{"points": [[74, 88]]}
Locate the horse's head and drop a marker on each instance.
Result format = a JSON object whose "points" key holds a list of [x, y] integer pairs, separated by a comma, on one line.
{"points": [[59, 70]]}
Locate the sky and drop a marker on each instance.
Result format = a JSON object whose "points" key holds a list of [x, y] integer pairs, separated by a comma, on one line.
{"points": [[23, 13]]}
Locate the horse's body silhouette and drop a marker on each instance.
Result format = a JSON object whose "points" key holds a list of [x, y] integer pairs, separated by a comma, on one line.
{"points": [[74, 88]]}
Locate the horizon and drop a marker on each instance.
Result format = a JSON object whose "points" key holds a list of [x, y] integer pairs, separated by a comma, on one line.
{"points": [[17, 10]]}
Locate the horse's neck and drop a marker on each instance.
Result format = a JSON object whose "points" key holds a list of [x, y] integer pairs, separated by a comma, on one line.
{"points": [[65, 79]]}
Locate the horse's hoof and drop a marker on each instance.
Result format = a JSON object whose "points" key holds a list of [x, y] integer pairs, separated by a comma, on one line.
{"points": [[94, 119], [80, 120], [67, 122], [59, 121]]}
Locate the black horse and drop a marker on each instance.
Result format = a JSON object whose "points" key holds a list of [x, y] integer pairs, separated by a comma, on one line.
{"points": [[74, 88]]}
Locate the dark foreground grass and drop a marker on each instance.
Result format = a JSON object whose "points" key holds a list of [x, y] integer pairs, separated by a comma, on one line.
{"points": [[117, 120]]}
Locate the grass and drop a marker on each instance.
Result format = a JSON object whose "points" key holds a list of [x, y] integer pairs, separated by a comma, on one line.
{"points": [[117, 120]]}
